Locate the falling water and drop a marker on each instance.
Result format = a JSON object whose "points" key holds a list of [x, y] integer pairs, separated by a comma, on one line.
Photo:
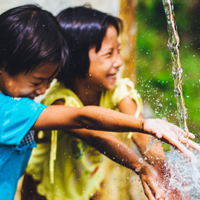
{"points": [[173, 45], [185, 174]]}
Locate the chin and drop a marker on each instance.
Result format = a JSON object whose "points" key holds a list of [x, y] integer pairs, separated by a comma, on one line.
{"points": [[32, 98], [110, 87]]}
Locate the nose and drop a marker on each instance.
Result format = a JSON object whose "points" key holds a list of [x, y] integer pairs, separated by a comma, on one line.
{"points": [[118, 62], [42, 87]]}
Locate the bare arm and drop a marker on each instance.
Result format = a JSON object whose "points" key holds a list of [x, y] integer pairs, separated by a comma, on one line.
{"points": [[97, 118], [117, 151], [110, 146], [155, 154], [89, 117]]}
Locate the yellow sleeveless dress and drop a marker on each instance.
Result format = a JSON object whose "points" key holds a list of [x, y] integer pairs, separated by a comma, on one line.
{"points": [[70, 169]]}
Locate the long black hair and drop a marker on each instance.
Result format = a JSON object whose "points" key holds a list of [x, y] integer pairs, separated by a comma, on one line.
{"points": [[83, 27], [30, 36]]}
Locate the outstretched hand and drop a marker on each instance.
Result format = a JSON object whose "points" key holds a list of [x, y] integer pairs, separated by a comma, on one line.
{"points": [[152, 183], [171, 134]]}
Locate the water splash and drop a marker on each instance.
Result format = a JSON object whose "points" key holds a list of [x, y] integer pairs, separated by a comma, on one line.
{"points": [[173, 45], [185, 174], [151, 142]]}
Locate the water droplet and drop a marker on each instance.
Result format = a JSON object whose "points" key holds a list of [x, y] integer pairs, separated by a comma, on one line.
{"points": [[181, 70], [140, 160], [176, 92]]}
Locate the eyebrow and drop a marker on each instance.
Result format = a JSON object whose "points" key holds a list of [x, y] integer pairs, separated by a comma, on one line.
{"points": [[111, 48], [57, 70]]}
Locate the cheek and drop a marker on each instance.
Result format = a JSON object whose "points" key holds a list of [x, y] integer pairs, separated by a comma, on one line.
{"points": [[19, 89], [27, 90]]}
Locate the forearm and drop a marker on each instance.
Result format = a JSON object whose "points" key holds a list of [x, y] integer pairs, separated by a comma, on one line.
{"points": [[111, 147], [89, 117], [155, 153]]}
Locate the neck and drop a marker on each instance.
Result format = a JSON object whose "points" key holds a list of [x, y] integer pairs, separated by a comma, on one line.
{"points": [[85, 92]]}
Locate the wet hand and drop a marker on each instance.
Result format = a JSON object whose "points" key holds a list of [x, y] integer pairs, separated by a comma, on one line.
{"points": [[152, 183], [171, 134]]}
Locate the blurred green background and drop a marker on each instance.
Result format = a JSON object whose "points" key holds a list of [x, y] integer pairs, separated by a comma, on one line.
{"points": [[154, 64]]}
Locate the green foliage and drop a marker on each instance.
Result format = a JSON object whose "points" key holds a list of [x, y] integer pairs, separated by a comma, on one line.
{"points": [[154, 65]]}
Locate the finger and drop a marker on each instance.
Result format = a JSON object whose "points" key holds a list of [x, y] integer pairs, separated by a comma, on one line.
{"points": [[157, 133], [183, 140], [148, 192], [156, 191], [175, 142], [183, 149], [180, 131], [187, 134], [193, 145], [191, 135]]}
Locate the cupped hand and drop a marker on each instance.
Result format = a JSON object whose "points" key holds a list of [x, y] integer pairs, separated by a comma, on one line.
{"points": [[152, 183], [171, 134]]}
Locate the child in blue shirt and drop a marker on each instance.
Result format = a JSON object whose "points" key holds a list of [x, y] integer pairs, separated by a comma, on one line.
{"points": [[16, 141], [32, 52]]}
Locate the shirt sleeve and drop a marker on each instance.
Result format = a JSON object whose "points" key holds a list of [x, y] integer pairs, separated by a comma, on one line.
{"points": [[121, 92], [17, 116]]}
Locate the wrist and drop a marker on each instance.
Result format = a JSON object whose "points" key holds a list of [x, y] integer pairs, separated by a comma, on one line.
{"points": [[141, 166], [141, 126]]}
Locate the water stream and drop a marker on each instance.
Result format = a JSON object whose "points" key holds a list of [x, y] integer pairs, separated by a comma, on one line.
{"points": [[173, 45], [185, 176]]}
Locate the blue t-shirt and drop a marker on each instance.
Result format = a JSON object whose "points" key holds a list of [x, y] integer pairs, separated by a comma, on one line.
{"points": [[17, 116]]}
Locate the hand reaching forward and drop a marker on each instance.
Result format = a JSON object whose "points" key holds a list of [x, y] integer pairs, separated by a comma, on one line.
{"points": [[171, 134], [152, 183]]}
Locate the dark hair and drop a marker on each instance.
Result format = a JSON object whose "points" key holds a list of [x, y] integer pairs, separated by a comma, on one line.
{"points": [[84, 27], [30, 36]]}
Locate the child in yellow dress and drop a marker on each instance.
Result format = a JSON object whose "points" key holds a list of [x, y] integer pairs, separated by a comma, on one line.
{"points": [[68, 168]]}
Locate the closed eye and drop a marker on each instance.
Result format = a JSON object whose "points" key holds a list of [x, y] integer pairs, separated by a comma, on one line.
{"points": [[108, 54], [36, 84]]}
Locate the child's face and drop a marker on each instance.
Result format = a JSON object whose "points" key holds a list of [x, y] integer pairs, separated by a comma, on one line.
{"points": [[105, 64], [31, 84]]}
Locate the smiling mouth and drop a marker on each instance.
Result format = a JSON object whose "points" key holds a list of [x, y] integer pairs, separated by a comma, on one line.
{"points": [[111, 77]]}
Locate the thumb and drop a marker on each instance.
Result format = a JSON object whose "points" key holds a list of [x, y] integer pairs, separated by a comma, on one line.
{"points": [[157, 133]]}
